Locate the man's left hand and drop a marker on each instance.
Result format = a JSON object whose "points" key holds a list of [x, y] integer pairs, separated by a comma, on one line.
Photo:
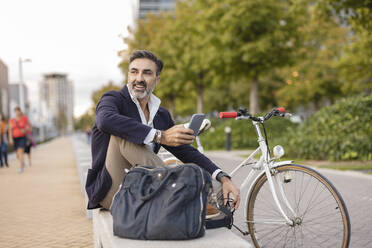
{"points": [[229, 187]]}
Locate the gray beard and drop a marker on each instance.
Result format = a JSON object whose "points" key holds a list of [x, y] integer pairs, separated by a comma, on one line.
{"points": [[141, 95]]}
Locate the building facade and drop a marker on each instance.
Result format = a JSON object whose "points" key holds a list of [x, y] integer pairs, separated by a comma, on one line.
{"points": [[153, 6], [4, 89], [56, 94], [14, 96]]}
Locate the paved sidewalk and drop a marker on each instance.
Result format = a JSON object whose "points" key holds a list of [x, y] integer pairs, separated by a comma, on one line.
{"points": [[43, 206]]}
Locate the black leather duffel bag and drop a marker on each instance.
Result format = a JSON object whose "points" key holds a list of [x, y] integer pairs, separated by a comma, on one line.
{"points": [[162, 203]]}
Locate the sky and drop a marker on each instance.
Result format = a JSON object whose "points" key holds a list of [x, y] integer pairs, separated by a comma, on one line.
{"points": [[78, 37]]}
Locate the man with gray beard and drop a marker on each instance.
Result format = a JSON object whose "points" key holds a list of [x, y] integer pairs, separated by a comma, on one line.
{"points": [[130, 127]]}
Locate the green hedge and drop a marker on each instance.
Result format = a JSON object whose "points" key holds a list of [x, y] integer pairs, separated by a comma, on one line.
{"points": [[243, 134], [342, 131]]}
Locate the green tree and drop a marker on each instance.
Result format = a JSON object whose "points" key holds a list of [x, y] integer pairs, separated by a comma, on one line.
{"points": [[315, 76], [152, 34], [356, 13], [199, 60], [87, 119], [254, 37], [97, 94], [61, 121], [356, 64]]}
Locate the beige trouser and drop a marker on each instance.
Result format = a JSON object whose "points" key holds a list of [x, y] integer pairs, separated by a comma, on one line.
{"points": [[121, 155]]}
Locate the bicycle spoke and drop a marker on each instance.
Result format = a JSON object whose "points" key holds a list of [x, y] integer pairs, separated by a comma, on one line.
{"points": [[286, 237], [320, 217], [314, 238], [302, 236], [329, 204], [313, 202], [317, 235], [273, 234], [270, 204], [302, 192]]}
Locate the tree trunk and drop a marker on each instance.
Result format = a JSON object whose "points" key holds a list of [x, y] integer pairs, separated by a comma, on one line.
{"points": [[171, 106], [253, 99], [200, 99]]}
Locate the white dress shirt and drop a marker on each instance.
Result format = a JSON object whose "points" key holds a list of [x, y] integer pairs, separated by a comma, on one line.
{"points": [[153, 104]]}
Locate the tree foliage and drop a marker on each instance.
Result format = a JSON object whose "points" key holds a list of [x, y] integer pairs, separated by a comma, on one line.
{"points": [[356, 13], [61, 121], [97, 94], [220, 54], [355, 66], [85, 121], [315, 76]]}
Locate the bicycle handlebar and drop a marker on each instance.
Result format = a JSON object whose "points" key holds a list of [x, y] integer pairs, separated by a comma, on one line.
{"points": [[280, 111], [228, 115]]}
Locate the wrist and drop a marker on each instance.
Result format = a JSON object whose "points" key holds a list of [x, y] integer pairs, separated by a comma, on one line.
{"points": [[222, 177], [224, 180], [162, 138]]}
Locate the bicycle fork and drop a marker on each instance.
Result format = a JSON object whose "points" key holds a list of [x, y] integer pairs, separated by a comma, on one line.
{"points": [[275, 195], [265, 161]]}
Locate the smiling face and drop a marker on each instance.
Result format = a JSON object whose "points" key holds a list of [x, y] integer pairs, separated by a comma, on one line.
{"points": [[142, 77]]}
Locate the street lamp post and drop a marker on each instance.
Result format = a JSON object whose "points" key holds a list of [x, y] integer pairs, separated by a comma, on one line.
{"points": [[228, 138], [20, 88]]}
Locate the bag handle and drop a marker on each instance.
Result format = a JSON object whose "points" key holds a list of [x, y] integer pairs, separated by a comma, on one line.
{"points": [[142, 184]]}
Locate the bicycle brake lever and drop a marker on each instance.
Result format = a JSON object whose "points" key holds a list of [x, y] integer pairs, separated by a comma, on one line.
{"points": [[243, 111]]}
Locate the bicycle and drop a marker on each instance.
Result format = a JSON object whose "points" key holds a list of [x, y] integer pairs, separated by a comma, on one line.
{"points": [[288, 205]]}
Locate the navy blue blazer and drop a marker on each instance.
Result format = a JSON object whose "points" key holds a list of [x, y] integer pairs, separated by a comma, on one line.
{"points": [[117, 114]]}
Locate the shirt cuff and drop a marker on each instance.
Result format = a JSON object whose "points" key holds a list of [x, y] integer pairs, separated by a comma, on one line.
{"points": [[215, 173], [150, 137]]}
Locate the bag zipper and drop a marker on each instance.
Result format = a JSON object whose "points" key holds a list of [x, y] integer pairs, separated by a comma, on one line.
{"points": [[201, 200], [115, 196]]}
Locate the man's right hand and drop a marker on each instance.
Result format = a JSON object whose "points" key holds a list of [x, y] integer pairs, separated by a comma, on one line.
{"points": [[177, 135]]}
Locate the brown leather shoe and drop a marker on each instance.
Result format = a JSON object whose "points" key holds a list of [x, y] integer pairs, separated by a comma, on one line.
{"points": [[211, 211]]}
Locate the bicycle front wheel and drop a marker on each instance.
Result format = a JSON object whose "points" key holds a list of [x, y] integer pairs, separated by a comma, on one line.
{"points": [[317, 210]]}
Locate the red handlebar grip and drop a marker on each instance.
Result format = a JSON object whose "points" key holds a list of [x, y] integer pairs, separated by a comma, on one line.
{"points": [[281, 109], [228, 115]]}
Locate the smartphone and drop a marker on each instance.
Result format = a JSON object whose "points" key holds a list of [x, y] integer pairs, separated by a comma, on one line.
{"points": [[195, 122]]}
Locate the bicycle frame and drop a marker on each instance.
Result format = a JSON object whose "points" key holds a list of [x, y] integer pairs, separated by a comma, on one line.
{"points": [[265, 163]]}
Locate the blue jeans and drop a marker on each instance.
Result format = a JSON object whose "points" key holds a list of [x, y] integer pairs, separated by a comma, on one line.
{"points": [[3, 153]]}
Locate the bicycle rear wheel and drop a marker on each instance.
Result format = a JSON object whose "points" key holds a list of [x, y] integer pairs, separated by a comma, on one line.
{"points": [[319, 213]]}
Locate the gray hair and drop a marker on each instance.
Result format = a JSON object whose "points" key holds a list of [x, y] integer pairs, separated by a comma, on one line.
{"points": [[140, 54]]}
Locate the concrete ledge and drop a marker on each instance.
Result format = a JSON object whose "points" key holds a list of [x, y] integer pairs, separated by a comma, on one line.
{"points": [[216, 238], [83, 163]]}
